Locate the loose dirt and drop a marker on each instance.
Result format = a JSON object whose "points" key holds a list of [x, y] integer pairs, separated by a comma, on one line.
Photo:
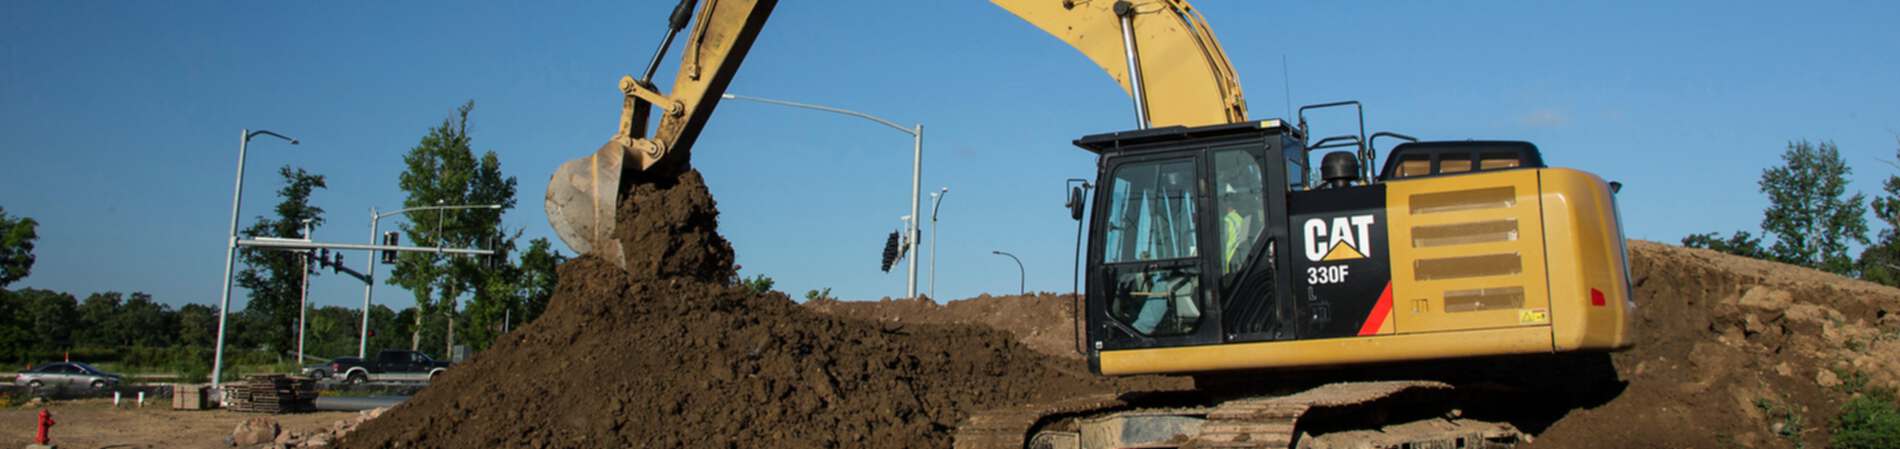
{"points": [[674, 356], [1044, 322], [1731, 352], [95, 423]]}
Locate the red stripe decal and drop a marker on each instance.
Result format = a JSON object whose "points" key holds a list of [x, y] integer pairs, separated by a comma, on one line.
{"points": [[1379, 311]]}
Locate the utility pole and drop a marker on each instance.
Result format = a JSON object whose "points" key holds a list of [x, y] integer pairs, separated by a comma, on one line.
{"points": [[936, 203], [916, 169], [369, 282], [1021, 282], [230, 250], [303, 299]]}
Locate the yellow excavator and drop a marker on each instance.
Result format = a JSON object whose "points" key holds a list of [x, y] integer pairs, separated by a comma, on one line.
{"points": [[1213, 252]]}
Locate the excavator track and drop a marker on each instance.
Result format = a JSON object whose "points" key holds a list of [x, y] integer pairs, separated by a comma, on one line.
{"points": [[1009, 428], [1104, 421]]}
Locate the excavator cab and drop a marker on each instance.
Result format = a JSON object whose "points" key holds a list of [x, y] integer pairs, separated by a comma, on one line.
{"points": [[1184, 254], [1211, 248]]}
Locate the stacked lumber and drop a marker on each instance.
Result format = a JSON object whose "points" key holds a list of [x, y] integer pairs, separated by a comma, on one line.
{"points": [[189, 397], [272, 393]]}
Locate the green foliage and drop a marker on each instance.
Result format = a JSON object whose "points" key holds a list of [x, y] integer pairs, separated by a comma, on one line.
{"points": [[1741, 243], [16, 247], [758, 284], [197, 325], [98, 320], [1880, 262], [442, 170], [1852, 381], [817, 295], [1785, 421], [539, 276], [1868, 421], [1809, 213], [275, 278], [49, 316]]}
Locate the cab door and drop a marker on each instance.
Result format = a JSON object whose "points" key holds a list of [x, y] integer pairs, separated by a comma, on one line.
{"points": [[1150, 285]]}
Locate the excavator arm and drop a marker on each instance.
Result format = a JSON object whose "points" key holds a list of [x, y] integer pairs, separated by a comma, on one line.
{"points": [[1161, 52]]}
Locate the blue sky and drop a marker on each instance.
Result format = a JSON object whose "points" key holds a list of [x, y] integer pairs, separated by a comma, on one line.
{"points": [[118, 120]]}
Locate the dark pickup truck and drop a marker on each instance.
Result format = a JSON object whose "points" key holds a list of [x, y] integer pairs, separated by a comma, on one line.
{"points": [[388, 366]]}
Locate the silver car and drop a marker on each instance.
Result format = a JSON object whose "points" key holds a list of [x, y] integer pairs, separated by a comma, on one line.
{"points": [[68, 375]]}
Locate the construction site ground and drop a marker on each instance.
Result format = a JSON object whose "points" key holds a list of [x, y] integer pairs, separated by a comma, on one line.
{"points": [[95, 423], [670, 352]]}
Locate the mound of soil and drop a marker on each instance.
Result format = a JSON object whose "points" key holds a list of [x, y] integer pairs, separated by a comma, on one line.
{"points": [[1044, 322], [1737, 352], [674, 356]]}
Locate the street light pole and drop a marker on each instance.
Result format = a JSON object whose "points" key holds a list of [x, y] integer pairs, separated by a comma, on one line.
{"points": [[303, 294], [230, 249], [1020, 281], [369, 267], [936, 203], [916, 167], [916, 175]]}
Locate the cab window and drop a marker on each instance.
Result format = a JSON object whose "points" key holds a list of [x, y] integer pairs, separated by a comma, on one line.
{"points": [[1150, 248], [1240, 204]]}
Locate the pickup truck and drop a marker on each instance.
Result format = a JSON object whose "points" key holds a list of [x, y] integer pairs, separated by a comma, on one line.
{"points": [[388, 366]]}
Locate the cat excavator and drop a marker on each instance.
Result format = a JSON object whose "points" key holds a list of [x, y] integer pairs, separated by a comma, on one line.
{"points": [[1329, 312]]}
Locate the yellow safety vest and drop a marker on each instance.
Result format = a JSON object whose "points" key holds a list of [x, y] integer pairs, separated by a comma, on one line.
{"points": [[1231, 239]]}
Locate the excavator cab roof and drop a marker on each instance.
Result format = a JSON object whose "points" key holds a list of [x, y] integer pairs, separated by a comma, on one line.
{"points": [[1139, 139]]}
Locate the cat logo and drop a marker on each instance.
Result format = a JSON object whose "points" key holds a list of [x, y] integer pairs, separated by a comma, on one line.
{"points": [[1339, 239]]}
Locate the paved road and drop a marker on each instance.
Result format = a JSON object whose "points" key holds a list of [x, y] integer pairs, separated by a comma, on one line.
{"points": [[354, 403]]}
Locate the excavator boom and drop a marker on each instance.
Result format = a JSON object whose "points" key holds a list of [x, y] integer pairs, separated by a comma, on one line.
{"points": [[1161, 52]]}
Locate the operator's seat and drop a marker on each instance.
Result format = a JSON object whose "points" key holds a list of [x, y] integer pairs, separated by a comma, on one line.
{"points": [[1417, 159]]}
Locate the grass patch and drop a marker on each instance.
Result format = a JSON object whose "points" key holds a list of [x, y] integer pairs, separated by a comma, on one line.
{"points": [[1853, 382], [1784, 421]]}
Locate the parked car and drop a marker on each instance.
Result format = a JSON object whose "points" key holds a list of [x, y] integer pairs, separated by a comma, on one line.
{"points": [[68, 375], [388, 365], [317, 371]]}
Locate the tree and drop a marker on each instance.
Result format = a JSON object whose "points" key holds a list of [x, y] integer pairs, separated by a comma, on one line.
{"points": [[99, 320], [1741, 243], [15, 342], [197, 325], [16, 247], [1880, 262], [275, 277], [442, 170], [50, 316], [539, 276], [144, 322], [1809, 214]]}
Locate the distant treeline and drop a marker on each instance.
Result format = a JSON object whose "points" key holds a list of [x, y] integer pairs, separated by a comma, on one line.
{"points": [[1812, 221]]}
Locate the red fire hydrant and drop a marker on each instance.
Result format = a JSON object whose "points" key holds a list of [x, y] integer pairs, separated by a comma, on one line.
{"points": [[46, 425]]}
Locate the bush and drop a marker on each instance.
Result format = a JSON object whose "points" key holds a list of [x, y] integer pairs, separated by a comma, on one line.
{"points": [[1868, 421]]}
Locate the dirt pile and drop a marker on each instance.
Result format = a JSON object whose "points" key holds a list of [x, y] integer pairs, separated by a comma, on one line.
{"points": [[1044, 322], [1735, 352], [675, 357]]}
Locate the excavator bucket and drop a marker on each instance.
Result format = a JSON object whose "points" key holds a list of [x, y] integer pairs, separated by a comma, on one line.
{"points": [[581, 200], [584, 193]]}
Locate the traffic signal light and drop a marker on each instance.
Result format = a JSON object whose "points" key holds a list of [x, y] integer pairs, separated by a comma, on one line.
{"points": [[336, 262], [390, 239], [890, 251]]}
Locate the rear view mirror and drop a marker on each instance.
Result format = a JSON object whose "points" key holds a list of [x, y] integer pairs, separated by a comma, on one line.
{"points": [[1075, 203]]}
